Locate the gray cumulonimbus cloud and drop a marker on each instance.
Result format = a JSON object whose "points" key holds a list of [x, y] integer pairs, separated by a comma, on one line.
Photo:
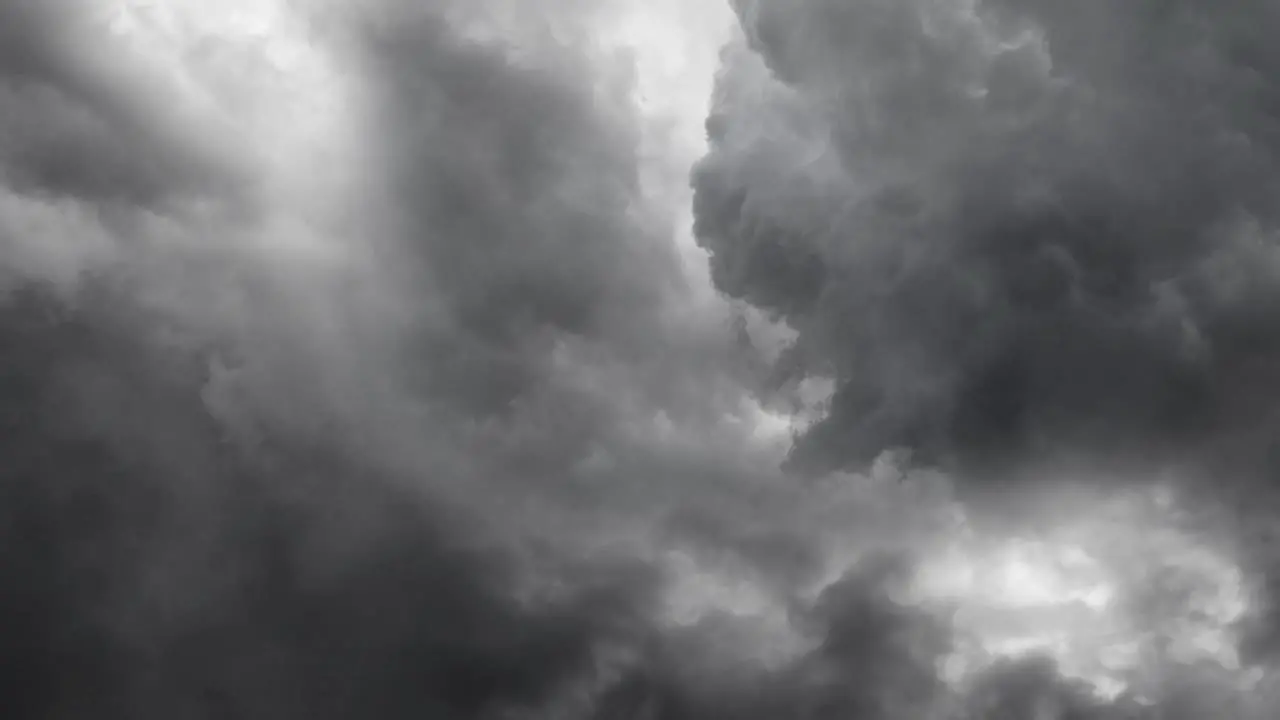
{"points": [[976, 227], [1006, 229]]}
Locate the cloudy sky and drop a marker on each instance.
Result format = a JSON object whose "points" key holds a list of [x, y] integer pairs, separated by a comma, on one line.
{"points": [[639, 359]]}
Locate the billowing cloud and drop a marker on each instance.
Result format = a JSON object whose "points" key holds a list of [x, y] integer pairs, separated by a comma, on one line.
{"points": [[361, 361], [1029, 244], [1006, 230], [259, 417]]}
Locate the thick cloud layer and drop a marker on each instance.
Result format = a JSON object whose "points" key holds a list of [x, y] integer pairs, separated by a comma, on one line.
{"points": [[1025, 240], [1007, 229], [359, 372], [253, 443]]}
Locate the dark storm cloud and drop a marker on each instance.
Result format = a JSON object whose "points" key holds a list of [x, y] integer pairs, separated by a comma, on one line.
{"points": [[158, 570], [192, 526], [871, 658], [156, 566], [154, 570], [80, 117], [179, 549], [1016, 234], [552, 332], [1030, 228], [98, 148], [200, 517], [516, 182]]}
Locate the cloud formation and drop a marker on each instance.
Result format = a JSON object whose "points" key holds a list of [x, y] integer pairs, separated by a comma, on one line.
{"points": [[1007, 230], [1024, 240], [354, 367], [251, 414]]}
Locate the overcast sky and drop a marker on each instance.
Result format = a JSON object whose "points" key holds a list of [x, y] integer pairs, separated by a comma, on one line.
{"points": [[639, 359]]}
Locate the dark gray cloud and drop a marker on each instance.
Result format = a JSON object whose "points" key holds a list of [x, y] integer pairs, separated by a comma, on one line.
{"points": [[453, 438], [1026, 240], [158, 571], [158, 564], [81, 120], [1009, 230], [515, 195], [194, 525]]}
